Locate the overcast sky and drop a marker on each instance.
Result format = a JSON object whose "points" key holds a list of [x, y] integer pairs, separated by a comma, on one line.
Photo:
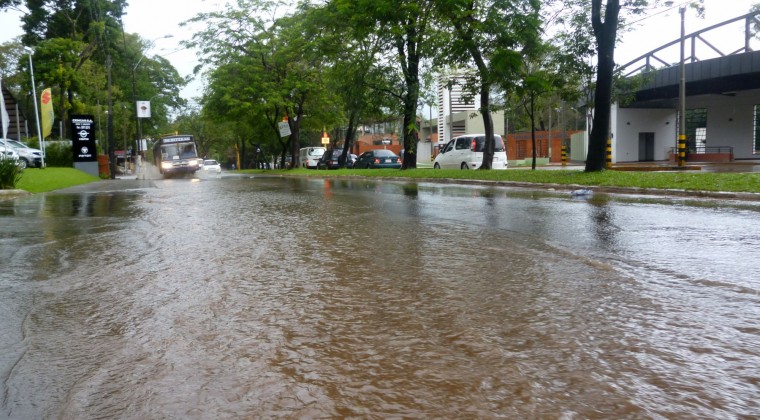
{"points": [[155, 18]]}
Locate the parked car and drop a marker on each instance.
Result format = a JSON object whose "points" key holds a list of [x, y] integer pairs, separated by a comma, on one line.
{"points": [[330, 159], [351, 161], [28, 156], [378, 158], [466, 152], [210, 166], [9, 153]]}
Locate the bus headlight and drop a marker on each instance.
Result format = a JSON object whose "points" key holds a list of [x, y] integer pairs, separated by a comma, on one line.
{"points": [[193, 162], [166, 165]]}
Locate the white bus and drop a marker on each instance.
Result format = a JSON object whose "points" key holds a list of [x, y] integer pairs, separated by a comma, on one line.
{"points": [[176, 155], [308, 156]]}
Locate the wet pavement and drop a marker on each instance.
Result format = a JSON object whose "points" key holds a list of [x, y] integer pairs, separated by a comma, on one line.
{"points": [[254, 296]]}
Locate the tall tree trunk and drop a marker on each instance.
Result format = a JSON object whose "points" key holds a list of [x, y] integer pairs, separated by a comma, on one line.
{"points": [[485, 109], [605, 34], [410, 129], [295, 128], [295, 143], [485, 96], [412, 80], [348, 142]]}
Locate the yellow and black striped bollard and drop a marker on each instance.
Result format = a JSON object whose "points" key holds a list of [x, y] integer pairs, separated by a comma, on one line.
{"points": [[609, 154]]}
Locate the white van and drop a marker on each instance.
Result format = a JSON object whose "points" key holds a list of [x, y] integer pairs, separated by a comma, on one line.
{"points": [[466, 152], [309, 156]]}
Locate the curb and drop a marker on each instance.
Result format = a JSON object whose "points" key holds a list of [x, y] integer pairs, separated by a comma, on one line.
{"points": [[719, 195], [11, 194]]}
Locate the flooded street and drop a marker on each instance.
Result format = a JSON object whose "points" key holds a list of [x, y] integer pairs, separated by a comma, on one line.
{"points": [[307, 298]]}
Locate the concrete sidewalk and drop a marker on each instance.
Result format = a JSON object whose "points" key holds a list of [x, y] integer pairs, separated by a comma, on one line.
{"points": [[740, 166]]}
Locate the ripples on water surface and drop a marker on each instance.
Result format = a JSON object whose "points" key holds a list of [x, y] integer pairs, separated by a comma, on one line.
{"points": [[308, 298]]}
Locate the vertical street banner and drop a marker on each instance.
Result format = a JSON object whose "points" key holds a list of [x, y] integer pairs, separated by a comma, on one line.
{"points": [[4, 117], [83, 145], [46, 112]]}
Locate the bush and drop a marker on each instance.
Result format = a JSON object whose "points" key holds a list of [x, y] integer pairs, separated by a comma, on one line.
{"points": [[58, 154], [10, 174]]}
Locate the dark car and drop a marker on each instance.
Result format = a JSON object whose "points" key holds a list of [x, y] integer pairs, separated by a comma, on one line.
{"points": [[379, 158], [330, 159], [351, 161]]}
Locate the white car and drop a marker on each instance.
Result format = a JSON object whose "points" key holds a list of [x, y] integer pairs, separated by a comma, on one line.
{"points": [[210, 166], [9, 153], [466, 152], [28, 156]]}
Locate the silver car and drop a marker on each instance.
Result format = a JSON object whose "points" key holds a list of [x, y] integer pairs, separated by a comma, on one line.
{"points": [[8, 153], [28, 156]]}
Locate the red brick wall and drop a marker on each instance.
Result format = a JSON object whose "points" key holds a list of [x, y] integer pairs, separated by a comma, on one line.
{"points": [[520, 145]]}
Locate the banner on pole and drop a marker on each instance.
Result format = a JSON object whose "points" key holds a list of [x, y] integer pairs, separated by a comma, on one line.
{"points": [[6, 119], [46, 112]]}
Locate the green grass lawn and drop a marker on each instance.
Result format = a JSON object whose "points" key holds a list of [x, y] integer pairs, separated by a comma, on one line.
{"points": [[49, 179], [687, 180]]}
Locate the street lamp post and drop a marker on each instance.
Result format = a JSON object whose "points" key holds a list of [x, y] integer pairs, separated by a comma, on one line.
{"points": [[36, 109], [140, 151], [682, 95]]}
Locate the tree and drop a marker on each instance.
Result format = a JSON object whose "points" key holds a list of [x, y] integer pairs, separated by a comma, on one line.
{"points": [[351, 68], [536, 82], [605, 19], [605, 33], [278, 64], [494, 36], [405, 31], [9, 4]]}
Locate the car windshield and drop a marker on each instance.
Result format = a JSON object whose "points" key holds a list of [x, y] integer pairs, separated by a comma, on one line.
{"points": [[15, 143], [480, 144], [210, 162], [316, 152]]}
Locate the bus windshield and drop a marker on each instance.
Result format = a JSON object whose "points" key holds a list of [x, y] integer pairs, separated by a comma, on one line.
{"points": [[175, 151]]}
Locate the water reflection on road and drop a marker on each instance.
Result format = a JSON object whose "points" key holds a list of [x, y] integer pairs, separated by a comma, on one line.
{"points": [[266, 297]]}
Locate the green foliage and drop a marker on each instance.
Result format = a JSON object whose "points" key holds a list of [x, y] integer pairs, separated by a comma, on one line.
{"points": [[273, 71], [58, 154], [10, 174], [73, 41], [8, 4]]}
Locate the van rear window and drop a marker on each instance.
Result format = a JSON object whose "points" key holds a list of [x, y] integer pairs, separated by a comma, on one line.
{"points": [[480, 144]]}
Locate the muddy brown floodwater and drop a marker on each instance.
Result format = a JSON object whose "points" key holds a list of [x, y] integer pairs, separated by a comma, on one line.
{"points": [[249, 297]]}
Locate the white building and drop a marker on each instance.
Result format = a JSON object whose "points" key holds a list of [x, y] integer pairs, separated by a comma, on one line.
{"points": [[456, 116]]}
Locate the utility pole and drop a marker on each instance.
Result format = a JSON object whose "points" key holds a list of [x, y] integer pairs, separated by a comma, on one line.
{"points": [[682, 95], [138, 125], [111, 144]]}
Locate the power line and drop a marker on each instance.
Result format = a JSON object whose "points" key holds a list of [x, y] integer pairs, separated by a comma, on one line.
{"points": [[667, 9]]}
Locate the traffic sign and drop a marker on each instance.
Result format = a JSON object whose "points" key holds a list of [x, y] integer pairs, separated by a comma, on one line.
{"points": [[284, 129]]}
